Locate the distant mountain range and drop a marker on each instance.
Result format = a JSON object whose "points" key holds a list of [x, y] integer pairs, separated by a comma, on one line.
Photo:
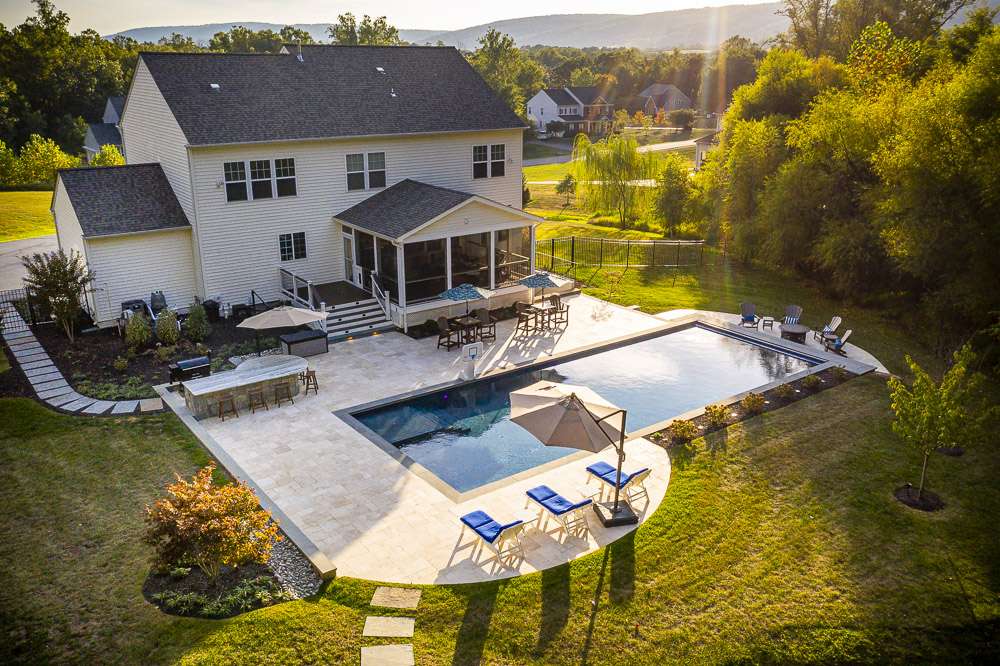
{"points": [[685, 28]]}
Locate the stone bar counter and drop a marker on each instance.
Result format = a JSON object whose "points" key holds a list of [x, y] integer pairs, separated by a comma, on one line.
{"points": [[202, 395]]}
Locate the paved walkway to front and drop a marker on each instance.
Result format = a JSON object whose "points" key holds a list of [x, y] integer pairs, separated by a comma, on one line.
{"points": [[375, 519]]}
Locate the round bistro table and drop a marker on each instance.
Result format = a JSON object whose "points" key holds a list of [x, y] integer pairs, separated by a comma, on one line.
{"points": [[794, 332]]}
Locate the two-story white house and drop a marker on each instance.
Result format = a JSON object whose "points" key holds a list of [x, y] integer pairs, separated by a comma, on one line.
{"points": [[305, 175], [581, 108], [105, 132]]}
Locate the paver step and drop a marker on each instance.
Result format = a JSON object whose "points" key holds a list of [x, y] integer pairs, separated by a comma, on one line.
{"points": [[396, 597], [357, 316], [342, 307], [360, 332], [388, 627], [387, 655], [354, 310], [357, 324]]}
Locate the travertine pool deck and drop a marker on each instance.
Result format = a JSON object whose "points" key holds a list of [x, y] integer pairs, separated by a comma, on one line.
{"points": [[345, 500]]}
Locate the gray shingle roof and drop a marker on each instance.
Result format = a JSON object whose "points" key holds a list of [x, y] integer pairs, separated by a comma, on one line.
{"points": [[335, 91], [123, 199], [105, 133], [118, 104], [400, 209], [560, 96], [587, 94]]}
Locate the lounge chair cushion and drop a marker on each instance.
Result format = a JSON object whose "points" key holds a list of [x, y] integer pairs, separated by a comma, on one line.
{"points": [[482, 524], [607, 473], [791, 320], [553, 502], [749, 317]]}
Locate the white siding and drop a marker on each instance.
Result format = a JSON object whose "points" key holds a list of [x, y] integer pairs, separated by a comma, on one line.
{"points": [[471, 219], [69, 234], [150, 133], [135, 265], [239, 240], [542, 110]]}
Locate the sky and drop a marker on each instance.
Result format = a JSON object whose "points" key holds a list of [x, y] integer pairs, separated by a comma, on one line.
{"points": [[108, 16]]}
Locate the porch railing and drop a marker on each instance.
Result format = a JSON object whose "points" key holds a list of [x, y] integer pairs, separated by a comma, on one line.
{"points": [[302, 292], [394, 313]]}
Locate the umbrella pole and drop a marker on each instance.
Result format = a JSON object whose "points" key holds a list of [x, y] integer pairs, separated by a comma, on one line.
{"points": [[256, 339]]}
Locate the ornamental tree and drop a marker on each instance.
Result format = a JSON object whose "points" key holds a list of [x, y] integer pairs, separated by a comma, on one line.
{"points": [[209, 525], [59, 279], [109, 155], [932, 415], [567, 186]]}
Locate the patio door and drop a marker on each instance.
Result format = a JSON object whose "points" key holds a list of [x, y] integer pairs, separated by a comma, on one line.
{"points": [[351, 273]]}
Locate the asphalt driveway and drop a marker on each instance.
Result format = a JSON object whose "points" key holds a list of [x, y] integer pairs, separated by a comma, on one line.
{"points": [[11, 252]]}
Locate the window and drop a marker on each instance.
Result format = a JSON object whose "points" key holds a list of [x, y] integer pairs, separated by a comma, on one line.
{"points": [[236, 181], [376, 170], [260, 179], [426, 269], [284, 177], [480, 165], [511, 256], [365, 171], [497, 152], [292, 246]]}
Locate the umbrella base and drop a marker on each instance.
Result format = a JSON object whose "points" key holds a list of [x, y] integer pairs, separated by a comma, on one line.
{"points": [[625, 515]]}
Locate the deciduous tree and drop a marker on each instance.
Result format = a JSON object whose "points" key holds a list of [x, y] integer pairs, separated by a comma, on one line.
{"points": [[673, 190], [609, 174], [109, 155], [58, 279]]}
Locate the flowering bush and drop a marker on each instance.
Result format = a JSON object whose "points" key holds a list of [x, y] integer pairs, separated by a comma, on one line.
{"points": [[683, 431], [717, 415], [753, 403]]}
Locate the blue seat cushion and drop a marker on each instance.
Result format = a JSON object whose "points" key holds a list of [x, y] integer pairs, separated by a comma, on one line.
{"points": [[553, 502], [610, 477], [749, 317], [482, 524], [600, 468]]}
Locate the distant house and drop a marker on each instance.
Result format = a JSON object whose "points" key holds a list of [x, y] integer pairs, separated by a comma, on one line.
{"points": [[658, 97], [702, 145], [105, 132], [582, 108]]}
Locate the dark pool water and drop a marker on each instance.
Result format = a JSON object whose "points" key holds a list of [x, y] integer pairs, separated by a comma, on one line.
{"points": [[464, 435]]}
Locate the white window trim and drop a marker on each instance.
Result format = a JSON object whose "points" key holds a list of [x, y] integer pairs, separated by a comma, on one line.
{"points": [[252, 180], [489, 160], [249, 180], [305, 246], [367, 170]]}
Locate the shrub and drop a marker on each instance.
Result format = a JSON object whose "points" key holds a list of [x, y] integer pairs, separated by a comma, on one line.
{"points": [[134, 388], [137, 332], [810, 382], [784, 391], [209, 525], [180, 572], [59, 280], [753, 403], [181, 603], [164, 353], [683, 431], [120, 363], [196, 326], [717, 415], [839, 373], [246, 596], [167, 331]]}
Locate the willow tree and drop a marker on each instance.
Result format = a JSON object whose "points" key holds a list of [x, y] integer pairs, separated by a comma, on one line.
{"points": [[611, 174]]}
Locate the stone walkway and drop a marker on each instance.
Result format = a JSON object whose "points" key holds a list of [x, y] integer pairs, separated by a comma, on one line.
{"points": [[380, 626], [48, 382]]}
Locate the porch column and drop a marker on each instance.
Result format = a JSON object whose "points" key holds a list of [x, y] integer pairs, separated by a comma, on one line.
{"points": [[532, 242], [493, 243], [447, 262], [401, 274]]}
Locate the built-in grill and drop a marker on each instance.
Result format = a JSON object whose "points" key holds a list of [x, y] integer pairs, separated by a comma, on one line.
{"points": [[189, 368]]}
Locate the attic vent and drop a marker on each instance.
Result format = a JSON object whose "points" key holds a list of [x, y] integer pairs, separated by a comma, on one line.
{"points": [[215, 86], [380, 70]]}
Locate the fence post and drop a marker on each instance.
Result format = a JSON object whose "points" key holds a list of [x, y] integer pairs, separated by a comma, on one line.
{"points": [[552, 256], [678, 253], [572, 250], [701, 255], [628, 251], [600, 260]]}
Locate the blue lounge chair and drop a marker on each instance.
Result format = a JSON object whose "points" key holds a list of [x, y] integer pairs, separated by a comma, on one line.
{"points": [[503, 540], [569, 514], [748, 315], [633, 485]]}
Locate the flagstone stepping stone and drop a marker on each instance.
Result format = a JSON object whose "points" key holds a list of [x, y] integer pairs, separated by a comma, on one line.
{"points": [[33, 357], [21, 351], [50, 376], [56, 392], [44, 370], [150, 405], [387, 655], [49, 384], [19, 335], [388, 627], [60, 400], [125, 407], [31, 365], [396, 597], [77, 405], [99, 407]]}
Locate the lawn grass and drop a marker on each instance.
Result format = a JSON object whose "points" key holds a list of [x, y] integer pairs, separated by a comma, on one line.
{"points": [[25, 215], [565, 222], [556, 172], [533, 151], [778, 540]]}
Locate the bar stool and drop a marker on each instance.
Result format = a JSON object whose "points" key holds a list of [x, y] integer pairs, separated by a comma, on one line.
{"points": [[256, 400], [227, 405], [311, 383], [282, 393]]}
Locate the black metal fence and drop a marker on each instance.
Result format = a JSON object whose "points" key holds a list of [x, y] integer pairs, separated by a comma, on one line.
{"points": [[21, 301], [562, 255]]}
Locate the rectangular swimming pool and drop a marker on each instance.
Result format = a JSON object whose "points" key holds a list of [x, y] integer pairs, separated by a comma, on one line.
{"points": [[464, 435]]}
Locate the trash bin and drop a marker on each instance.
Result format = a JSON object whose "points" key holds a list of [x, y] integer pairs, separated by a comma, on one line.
{"points": [[211, 309]]}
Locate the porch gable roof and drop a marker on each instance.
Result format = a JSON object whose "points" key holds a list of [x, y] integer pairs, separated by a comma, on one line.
{"points": [[408, 206]]}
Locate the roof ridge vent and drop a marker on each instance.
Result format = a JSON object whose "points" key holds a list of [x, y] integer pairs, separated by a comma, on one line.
{"points": [[215, 87], [380, 70]]}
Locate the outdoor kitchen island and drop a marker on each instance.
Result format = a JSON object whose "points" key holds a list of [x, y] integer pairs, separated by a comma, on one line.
{"points": [[264, 372]]}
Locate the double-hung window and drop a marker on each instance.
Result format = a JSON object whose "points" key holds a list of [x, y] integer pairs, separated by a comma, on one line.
{"points": [[489, 161], [365, 171], [236, 181], [292, 246], [266, 181]]}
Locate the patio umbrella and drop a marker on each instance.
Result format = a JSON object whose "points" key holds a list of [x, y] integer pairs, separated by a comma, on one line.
{"points": [[575, 417], [541, 281], [465, 292], [281, 317]]}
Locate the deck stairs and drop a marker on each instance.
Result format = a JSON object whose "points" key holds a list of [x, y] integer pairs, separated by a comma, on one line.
{"points": [[355, 319]]}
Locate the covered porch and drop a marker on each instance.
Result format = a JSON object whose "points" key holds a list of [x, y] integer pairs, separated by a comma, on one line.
{"points": [[409, 243]]}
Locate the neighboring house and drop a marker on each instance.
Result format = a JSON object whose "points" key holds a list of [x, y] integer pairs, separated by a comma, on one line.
{"points": [[105, 132], [658, 97], [290, 175], [581, 108], [702, 145]]}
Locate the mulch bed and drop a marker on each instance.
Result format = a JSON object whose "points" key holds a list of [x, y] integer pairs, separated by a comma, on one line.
{"points": [[197, 582], [13, 383], [927, 501], [774, 399]]}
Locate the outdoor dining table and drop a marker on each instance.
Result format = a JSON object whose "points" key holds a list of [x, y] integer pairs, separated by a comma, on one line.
{"points": [[467, 326], [545, 312]]}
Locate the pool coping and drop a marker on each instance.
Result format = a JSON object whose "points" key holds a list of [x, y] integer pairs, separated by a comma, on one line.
{"points": [[822, 359]]}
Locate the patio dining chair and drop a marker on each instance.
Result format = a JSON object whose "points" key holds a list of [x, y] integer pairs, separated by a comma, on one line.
{"points": [[503, 539], [569, 515], [527, 319], [487, 328], [748, 315], [829, 328], [793, 313], [561, 314], [447, 336]]}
